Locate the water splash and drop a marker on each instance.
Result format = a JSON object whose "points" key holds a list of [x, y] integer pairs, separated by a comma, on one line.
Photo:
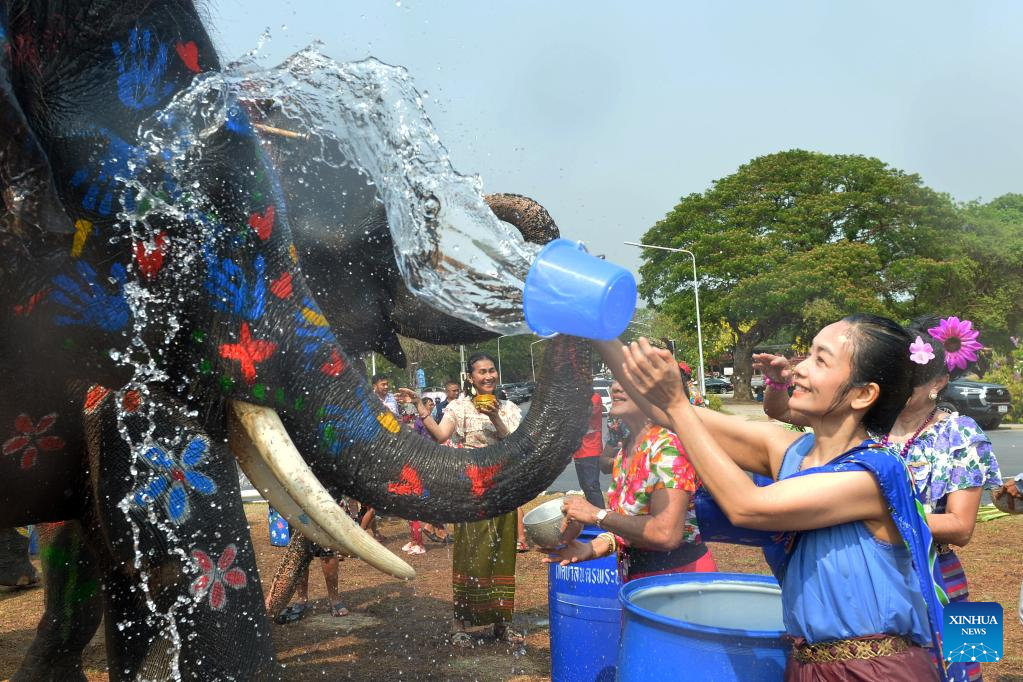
{"points": [[451, 250]]}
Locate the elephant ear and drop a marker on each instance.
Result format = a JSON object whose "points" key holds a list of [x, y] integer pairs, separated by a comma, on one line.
{"points": [[29, 193], [532, 219]]}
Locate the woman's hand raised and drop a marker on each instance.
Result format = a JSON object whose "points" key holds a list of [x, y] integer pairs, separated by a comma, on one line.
{"points": [[774, 367], [654, 373]]}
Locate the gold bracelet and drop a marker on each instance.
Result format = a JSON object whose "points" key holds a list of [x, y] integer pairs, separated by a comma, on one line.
{"points": [[611, 540]]}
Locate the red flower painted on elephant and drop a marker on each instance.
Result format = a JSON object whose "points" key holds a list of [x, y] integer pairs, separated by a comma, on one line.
{"points": [[248, 352], [30, 439], [150, 256], [482, 478], [216, 577], [26, 308], [410, 484]]}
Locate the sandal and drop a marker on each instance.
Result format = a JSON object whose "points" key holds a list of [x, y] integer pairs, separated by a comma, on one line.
{"points": [[508, 635], [337, 610], [462, 640], [290, 614], [432, 537], [521, 546]]}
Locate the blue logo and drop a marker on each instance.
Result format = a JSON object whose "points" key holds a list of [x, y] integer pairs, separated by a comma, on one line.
{"points": [[972, 632]]}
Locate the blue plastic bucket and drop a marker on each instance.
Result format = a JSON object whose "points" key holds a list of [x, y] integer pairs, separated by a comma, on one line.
{"points": [[586, 618], [713, 626], [568, 291]]}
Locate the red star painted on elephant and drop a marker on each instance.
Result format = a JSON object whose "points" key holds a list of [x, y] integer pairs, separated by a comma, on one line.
{"points": [[482, 478], [248, 352], [409, 483], [30, 438]]}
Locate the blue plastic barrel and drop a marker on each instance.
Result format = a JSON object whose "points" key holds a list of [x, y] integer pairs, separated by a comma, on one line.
{"points": [[586, 618], [713, 626]]}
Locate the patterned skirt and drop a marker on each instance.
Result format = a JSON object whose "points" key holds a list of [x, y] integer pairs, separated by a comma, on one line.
{"points": [[957, 589], [483, 570]]}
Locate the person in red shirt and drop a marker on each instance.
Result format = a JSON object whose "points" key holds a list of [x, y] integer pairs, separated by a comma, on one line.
{"points": [[587, 457]]}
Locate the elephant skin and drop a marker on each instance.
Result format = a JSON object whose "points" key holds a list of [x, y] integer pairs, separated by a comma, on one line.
{"points": [[180, 310]]}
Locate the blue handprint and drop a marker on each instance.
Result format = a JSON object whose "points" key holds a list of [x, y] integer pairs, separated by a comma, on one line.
{"points": [[231, 291], [140, 83], [119, 163], [89, 303], [343, 426]]}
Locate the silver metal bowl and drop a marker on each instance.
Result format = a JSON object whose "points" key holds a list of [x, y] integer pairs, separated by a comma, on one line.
{"points": [[543, 524]]}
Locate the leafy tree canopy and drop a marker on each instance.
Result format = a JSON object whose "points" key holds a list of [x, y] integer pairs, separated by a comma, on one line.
{"points": [[795, 240]]}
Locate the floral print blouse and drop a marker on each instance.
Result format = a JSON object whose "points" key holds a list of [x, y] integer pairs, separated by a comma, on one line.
{"points": [[952, 455], [657, 461], [473, 429]]}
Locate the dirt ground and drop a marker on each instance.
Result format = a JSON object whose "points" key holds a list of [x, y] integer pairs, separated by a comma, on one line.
{"points": [[397, 630]]}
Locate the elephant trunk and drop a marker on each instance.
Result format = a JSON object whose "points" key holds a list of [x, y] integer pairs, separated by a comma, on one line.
{"points": [[355, 445]]}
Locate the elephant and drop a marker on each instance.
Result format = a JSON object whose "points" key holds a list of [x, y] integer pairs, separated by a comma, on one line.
{"points": [[171, 275]]}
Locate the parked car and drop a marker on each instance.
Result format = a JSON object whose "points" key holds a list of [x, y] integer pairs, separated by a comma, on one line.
{"points": [[518, 392], [715, 385], [985, 402]]}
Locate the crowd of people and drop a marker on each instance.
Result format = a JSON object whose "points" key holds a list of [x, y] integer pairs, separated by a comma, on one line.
{"points": [[838, 496]]}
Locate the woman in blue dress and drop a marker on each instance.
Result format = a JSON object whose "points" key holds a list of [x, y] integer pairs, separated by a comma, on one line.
{"points": [[858, 590]]}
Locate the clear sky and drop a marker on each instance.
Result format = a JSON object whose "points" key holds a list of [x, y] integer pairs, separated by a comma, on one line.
{"points": [[608, 113]]}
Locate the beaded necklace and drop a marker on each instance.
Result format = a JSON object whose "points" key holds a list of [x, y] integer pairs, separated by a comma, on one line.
{"points": [[909, 443]]}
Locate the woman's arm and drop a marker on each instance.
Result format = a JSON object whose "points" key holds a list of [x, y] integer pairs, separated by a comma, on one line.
{"points": [[440, 432], [660, 530], [750, 444], [955, 526], [809, 502], [776, 400]]}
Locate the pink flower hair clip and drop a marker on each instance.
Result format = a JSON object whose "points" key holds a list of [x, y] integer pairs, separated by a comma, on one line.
{"points": [[921, 353], [959, 339]]}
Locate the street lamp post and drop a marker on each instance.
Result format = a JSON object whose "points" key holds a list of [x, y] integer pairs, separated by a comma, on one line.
{"points": [[696, 294], [531, 365], [500, 376]]}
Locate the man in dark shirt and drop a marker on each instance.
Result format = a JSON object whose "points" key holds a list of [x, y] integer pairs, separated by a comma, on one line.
{"points": [[451, 393]]}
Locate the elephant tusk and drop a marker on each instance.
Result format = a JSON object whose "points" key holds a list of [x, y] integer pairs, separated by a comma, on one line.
{"points": [[274, 448], [260, 475]]}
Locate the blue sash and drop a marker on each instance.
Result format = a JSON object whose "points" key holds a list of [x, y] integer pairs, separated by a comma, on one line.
{"points": [[907, 512]]}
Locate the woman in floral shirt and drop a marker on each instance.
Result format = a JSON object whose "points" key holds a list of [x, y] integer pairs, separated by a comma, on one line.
{"points": [[950, 457], [650, 519]]}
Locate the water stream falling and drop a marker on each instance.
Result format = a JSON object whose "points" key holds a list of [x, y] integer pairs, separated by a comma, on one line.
{"points": [[451, 250]]}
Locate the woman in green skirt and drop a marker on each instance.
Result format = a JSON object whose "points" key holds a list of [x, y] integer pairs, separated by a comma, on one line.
{"points": [[483, 571]]}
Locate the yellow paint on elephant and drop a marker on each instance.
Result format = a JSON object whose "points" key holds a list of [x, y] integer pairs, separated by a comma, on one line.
{"points": [[388, 421], [314, 318], [293, 252], [83, 228]]}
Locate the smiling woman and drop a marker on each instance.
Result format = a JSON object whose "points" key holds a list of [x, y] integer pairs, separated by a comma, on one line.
{"points": [[847, 502]]}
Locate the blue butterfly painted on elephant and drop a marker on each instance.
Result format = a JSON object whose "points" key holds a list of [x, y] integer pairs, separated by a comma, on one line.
{"points": [[141, 68], [231, 290], [175, 478], [89, 303], [348, 425]]}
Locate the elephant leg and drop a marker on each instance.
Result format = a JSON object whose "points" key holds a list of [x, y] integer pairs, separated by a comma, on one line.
{"points": [[183, 597], [15, 568], [73, 606], [289, 572]]}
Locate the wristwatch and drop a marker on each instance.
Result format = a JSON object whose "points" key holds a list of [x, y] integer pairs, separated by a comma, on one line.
{"points": [[601, 515]]}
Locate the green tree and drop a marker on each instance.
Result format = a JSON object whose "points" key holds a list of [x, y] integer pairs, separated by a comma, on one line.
{"points": [[796, 239], [990, 292]]}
